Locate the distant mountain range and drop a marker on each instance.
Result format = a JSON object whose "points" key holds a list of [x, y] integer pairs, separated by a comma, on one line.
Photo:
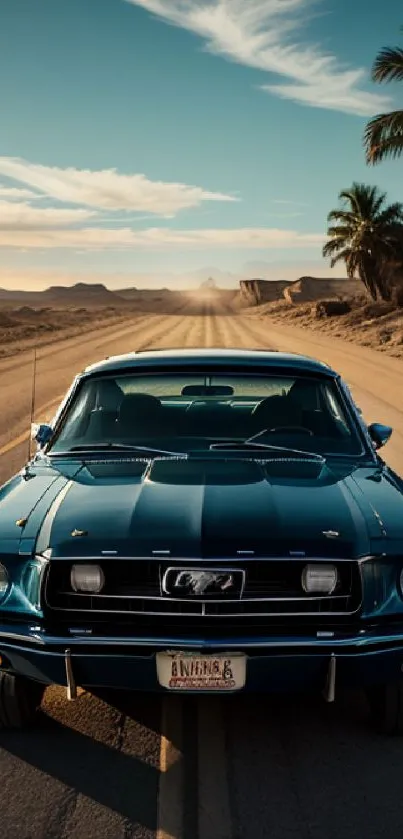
{"points": [[81, 294], [97, 294], [90, 296]]}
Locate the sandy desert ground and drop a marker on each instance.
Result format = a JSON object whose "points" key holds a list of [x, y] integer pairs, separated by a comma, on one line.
{"points": [[124, 767], [29, 320], [307, 303], [368, 324]]}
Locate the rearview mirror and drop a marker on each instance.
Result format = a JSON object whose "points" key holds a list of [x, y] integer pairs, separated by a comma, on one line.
{"points": [[207, 390], [380, 434], [42, 434]]}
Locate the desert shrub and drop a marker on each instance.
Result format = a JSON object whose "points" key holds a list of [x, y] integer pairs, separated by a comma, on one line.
{"points": [[331, 308], [6, 320], [378, 309]]}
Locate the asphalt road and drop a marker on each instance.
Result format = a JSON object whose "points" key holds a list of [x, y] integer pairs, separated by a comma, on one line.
{"points": [[122, 766]]}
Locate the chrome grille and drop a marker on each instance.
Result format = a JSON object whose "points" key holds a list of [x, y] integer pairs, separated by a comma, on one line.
{"points": [[134, 587]]}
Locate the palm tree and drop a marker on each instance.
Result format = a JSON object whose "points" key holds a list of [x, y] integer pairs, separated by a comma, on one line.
{"points": [[366, 234], [383, 136]]}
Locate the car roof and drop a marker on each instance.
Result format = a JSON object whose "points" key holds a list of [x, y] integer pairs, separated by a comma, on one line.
{"points": [[212, 357]]}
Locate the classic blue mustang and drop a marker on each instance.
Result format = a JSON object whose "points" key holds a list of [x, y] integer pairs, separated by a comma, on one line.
{"points": [[204, 520]]}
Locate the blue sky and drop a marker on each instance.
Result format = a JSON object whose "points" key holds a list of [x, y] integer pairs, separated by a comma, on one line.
{"points": [[147, 138]]}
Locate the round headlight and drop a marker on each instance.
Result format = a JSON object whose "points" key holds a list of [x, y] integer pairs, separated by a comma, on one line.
{"points": [[88, 578], [319, 579], [3, 580]]}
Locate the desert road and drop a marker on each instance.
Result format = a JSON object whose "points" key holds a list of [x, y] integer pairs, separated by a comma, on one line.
{"points": [[122, 766]]}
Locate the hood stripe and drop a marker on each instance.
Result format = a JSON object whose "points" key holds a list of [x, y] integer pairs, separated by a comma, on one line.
{"points": [[44, 534]]}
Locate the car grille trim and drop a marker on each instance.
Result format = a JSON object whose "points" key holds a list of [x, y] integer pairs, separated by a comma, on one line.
{"points": [[320, 613], [241, 558], [272, 589], [217, 600]]}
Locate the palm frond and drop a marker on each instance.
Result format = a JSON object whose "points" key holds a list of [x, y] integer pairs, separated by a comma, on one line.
{"points": [[378, 201], [343, 256], [341, 231], [365, 201], [383, 137], [395, 233], [330, 248], [346, 216], [393, 214], [388, 65], [338, 258], [351, 196]]}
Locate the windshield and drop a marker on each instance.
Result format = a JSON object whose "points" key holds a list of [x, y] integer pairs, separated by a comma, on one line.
{"points": [[185, 412]]}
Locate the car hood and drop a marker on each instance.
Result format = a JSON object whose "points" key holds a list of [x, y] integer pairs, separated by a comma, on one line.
{"points": [[207, 509]]}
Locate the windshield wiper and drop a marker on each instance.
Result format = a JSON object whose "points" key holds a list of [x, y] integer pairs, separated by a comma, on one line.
{"points": [[119, 447], [256, 446]]}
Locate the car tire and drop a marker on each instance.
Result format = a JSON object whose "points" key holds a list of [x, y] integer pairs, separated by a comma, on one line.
{"points": [[386, 706], [19, 700]]}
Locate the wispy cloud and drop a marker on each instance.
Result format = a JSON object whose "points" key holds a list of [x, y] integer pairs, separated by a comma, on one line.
{"points": [[15, 193], [107, 189], [265, 35], [20, 216], [91, 238], [106, 204]]}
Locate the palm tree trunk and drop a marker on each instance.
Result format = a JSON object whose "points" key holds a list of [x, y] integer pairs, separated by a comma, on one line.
{"points": [[369, 275]]}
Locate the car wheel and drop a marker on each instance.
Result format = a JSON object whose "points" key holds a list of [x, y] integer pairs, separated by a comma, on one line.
{"points": [[19, 700], [386, 706]]}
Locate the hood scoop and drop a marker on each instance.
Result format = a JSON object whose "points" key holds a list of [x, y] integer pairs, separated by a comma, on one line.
{"points": [[199, 472], [113, 470], [292, 466], [227, 472]]}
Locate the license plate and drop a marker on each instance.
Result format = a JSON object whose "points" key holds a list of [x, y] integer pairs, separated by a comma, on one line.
{"points": [[190, 671]]}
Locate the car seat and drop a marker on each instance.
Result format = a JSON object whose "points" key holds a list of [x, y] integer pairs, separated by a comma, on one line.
{"points": [[140, 414], [276, 412]]}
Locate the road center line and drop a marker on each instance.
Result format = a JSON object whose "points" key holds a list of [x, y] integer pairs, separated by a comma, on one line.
{"points": [[54, 403], [170, 792], [214, 799], [22, 438]]}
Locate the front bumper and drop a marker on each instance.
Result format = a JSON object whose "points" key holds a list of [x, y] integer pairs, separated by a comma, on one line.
{"points": [[274, 664]]}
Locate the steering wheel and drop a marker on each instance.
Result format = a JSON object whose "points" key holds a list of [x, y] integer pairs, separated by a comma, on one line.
{"points": [[299, 428]]}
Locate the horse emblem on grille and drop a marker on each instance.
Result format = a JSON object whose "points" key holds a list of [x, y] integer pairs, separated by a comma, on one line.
{"points": [[189, 582]]}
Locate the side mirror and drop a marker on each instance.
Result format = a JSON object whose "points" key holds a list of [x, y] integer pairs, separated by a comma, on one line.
{"points": [[42, 434], [380, 434]]}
